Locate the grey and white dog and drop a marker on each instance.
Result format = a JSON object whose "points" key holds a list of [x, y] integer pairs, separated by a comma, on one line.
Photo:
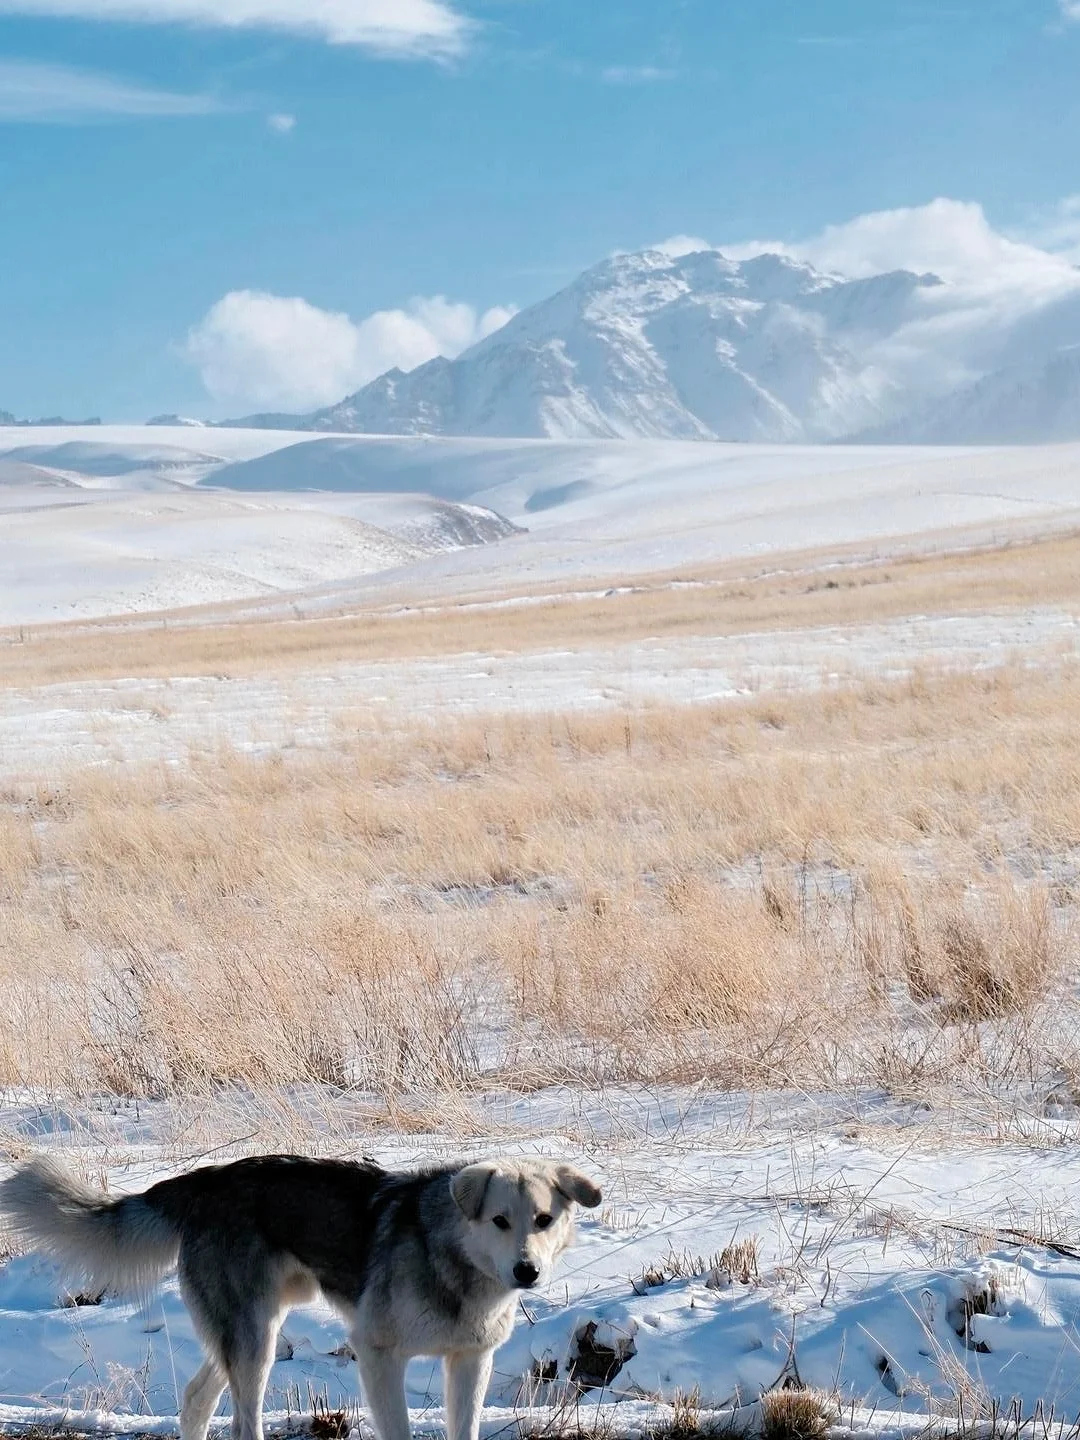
{"points": [[425, 1263]]}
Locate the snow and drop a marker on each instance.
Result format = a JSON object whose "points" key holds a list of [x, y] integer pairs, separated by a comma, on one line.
{"points": [[866, 1251], [152, 523], [619, 508], [115, 524], [1031, 400], [691, 347], [43, 730]]}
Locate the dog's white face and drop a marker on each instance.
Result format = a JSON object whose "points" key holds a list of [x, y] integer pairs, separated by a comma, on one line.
{"points": [[520, 1216]]}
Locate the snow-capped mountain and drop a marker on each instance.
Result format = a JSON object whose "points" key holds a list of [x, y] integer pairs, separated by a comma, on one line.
{"points": [[694, 347], [700, 346]]}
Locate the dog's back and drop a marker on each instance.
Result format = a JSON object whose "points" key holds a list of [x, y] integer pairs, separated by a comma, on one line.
{"points": [[324, 1214], [321, 1213]]}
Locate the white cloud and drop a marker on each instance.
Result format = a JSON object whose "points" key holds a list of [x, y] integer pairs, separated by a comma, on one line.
{"points": [[992, 281], [282, 124], [949, 238], [679, 245], [432, 28], [1070, 9], [33, 92], [265, 351]]}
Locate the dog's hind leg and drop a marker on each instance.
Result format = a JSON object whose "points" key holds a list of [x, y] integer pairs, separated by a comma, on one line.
{"points": [[248, 1361], [237, 1320], [467, 1378], [201, 1396], [382, 1374]]}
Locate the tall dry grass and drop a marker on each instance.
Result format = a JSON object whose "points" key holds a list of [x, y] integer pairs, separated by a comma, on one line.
{"points": [[867, 887]]}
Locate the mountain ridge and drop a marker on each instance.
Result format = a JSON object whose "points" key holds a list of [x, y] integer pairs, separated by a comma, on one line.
{"points": [[647, 345]]}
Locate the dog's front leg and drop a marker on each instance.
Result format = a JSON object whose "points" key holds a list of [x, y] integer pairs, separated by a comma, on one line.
{"points": [[467, 1376], [382, 1373]]}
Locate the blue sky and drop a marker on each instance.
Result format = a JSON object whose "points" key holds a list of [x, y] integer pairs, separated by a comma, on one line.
{"points": [[182, 177]]}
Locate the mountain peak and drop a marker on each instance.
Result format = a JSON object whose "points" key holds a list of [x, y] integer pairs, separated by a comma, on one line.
{"points": [[689, 346]]}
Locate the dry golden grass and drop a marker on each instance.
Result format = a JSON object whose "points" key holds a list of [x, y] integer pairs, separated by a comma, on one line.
{"points": [[794, 591], [871, 886], [797, 1414]]}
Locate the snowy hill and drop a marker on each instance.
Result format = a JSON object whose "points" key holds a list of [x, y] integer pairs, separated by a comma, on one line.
{"points": [[110, 520], [119, 519]]}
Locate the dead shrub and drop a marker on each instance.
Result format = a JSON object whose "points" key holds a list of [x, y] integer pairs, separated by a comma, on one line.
{"points": [[796, 1414]]}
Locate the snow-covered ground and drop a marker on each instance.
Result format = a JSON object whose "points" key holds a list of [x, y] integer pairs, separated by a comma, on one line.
{"points": [[888, 1268], [112, 523], [900, 1258], [132, 456], [49, 728], [606, 510], [109, 552]]}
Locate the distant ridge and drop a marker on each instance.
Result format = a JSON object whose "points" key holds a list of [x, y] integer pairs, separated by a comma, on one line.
{"points": [[7, 418]]}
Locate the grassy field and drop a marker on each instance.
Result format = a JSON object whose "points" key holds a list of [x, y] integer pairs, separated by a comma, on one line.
{"points": [[873, 885], [786, 592], [796, 968]]}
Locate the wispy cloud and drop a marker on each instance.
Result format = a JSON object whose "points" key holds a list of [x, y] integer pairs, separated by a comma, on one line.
{"points": [[1070, 9], [421, 28], [636, 74], [992, 281], [281, 124], [33, 92]]}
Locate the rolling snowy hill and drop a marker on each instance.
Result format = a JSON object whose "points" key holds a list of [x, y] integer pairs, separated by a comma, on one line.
{"points": [[132, 518], [110, 521]]}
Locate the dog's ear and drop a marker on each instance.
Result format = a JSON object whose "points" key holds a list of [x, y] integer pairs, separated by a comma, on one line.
{"points": [[469, 1186], [576, 1186]]}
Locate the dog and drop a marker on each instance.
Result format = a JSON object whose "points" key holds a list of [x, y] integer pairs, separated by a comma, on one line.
{"points": [[418, 1263]]}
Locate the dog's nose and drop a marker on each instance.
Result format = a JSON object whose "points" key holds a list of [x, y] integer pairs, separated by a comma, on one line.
{"points": [[526, 1274]]}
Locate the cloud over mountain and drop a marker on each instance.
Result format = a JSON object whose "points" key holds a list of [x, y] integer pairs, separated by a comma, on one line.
{"points": [[273, 351], [922, 323]]}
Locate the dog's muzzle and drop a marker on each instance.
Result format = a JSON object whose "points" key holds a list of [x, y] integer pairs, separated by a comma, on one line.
{"points": [[526, 1274]]}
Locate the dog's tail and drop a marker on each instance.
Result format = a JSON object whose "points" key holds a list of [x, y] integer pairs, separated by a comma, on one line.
{"points": [[121, 1244]]}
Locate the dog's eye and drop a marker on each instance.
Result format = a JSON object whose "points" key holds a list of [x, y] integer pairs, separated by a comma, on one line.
{"points": [[543, 1221], [501, 1222]]}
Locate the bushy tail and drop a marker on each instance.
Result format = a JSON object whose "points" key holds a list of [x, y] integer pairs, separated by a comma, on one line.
{"points": [[108, 1244]]}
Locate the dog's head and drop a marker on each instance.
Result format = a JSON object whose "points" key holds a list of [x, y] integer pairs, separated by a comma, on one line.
{"points": [[520, 1216]]}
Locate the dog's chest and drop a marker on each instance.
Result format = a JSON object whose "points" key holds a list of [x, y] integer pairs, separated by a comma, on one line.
{"points": [[422, 1320]]}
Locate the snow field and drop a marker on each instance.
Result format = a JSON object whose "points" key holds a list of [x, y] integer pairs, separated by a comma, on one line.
{"points": [[893, 1308], [913, 1228], [604, 510]]}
